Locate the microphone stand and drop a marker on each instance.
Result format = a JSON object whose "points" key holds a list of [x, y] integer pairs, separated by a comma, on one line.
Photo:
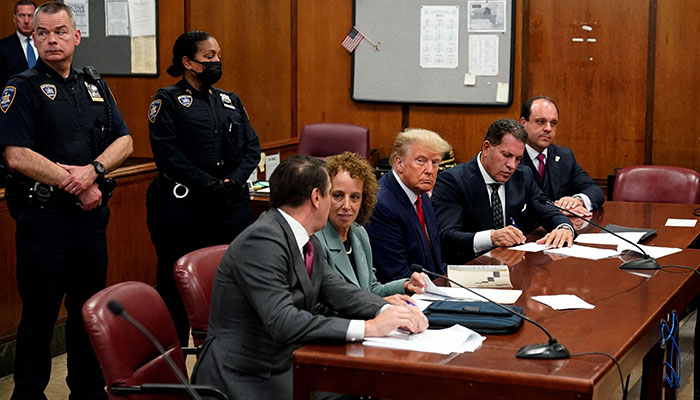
{"points": [[646, 262], [118, 310], [550, 350]]}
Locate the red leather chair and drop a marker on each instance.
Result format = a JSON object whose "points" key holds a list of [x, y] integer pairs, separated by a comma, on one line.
{"points": [[131, 365], [194, 275], [328, 138], [657, 184]]}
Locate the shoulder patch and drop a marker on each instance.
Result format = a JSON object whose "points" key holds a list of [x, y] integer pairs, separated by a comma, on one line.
{"points": [[6, 98], [49, 90], [185, 100], [153, 110]]}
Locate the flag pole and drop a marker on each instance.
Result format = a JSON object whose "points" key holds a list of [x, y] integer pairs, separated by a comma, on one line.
{"points": [[375, 45]]}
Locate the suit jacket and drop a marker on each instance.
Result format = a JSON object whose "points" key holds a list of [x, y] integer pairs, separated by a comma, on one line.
{"points": [[12, 58], [564, 177], [362, 256], [463, 207], [397, 237], [261, 305]]}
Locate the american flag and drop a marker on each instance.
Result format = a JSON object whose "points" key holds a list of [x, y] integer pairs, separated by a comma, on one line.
{"points": [[352, 40]]}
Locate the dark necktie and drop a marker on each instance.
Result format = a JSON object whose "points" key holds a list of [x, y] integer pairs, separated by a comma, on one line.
{"points": [[540, 168], [309, 256], [31, 58], [496, 207], [421, 217]]}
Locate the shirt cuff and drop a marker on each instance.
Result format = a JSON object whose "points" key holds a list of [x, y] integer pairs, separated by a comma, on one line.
{"points": [[482, 241], [356, 330], [586, 201]]}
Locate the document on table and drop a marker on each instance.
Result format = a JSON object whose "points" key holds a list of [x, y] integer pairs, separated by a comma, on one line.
{"points": [[563, 302], [589, 253], [607, 238], [501, 296], [686, 223], [455, 339], [653, 251], [530, 247], [480, 276]]}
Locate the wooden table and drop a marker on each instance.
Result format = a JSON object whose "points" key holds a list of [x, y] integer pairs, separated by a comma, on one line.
{"points": [[625, 323]]}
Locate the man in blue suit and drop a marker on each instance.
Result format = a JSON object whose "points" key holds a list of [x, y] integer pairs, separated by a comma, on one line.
{"points": [[554, 167], [402, 229], [490, 202], [13, 49]]}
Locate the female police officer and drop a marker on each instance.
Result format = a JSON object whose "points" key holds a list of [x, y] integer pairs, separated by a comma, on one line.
{"points": [[205, 149]]}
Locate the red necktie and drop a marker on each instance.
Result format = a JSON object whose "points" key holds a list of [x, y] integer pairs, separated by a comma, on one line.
{"points": [[421, 217], [309, 256], [540, 168]]}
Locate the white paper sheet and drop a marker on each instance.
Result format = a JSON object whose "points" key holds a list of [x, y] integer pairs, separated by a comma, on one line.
{"points": [[563, 302], [530, 247], [653, 251], [680, 222], [439, 36], [81, 9], [589, 253], [116, 18], [501, 296], [606, 238], [480, 276], [483, 55], [455, 339], [142, 17]]}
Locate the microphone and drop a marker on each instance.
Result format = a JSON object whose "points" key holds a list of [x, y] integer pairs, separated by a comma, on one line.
{"points": [[551, 350], [118, 310], [646, 262]]}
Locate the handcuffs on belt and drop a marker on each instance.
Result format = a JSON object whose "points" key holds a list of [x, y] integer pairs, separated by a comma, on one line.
{"points": [[180, 196]]}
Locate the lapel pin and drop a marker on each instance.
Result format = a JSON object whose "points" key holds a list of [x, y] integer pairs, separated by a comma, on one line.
{"points": [[556, 158]]}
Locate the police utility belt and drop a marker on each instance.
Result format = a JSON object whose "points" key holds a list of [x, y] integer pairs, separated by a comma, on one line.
{"points": [[45, 196]]}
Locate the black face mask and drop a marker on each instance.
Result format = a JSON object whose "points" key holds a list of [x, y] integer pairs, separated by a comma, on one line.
{"points": [[211, 72]]}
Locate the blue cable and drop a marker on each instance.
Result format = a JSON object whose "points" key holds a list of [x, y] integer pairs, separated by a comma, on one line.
{"points": [[672, 378]]}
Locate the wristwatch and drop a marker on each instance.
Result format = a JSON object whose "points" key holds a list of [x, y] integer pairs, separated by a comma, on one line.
{"points": [[99, 168]]}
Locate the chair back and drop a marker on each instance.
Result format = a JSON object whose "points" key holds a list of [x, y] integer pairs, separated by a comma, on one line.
{"points": [[126, 356], [329, 138], [657, 184], [194, 276]]}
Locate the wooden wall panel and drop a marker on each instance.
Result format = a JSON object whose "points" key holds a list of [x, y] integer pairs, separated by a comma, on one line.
{"points": [[465, 127], [255, 43], [133, 95], [600, 87], [324, 75], [676, 136], [7, 9]]}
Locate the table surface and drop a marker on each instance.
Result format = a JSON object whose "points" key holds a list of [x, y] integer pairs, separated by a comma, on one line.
{"points": [[624, 323]]}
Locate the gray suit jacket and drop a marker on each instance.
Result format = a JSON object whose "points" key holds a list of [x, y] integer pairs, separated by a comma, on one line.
{"points": [[261, 305], [362, 254]]}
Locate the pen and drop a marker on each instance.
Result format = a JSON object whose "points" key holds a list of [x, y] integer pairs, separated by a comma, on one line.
{"points": [[512, 222]]}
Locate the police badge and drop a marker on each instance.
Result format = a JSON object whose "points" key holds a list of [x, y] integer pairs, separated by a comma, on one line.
{"points": [[226, 101], [185, 100], [49, 90], [94, 93]]}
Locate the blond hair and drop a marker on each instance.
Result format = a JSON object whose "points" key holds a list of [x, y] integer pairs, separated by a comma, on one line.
{"points": [[410, 136]]}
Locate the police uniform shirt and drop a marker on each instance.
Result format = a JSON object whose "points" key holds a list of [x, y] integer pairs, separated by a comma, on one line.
{"points": [[63, 119], [201, 136]]}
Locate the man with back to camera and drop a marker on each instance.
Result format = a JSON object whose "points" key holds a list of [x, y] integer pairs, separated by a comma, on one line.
{"points": [[402, 229], [17, 51], [554, 167], [469, 199], [60, 131], [268, 283]]}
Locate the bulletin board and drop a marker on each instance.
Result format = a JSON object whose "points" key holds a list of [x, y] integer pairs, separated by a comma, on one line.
{"points": [[119, 37], [434, 51]]}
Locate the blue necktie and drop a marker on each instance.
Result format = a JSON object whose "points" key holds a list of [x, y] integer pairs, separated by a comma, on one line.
{"points": [[31, 58]]}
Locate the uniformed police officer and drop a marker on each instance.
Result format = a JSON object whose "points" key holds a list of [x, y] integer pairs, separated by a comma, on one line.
{"points": [[61, 131], [205, 150]]}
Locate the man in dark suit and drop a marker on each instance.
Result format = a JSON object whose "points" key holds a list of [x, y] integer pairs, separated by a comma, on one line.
{"points": [[402, 229], [13, 49], [469, 199], [554, 167], [269, 281]]}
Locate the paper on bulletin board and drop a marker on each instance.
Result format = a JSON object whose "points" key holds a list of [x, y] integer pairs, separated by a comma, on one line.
{"points": [[483, 55], [502, 92], [81, 10], [142, 17], [143, 55], [116, 18], [439, 36]]}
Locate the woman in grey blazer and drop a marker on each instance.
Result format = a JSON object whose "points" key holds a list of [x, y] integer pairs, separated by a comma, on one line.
{"points": [[344, 240]]}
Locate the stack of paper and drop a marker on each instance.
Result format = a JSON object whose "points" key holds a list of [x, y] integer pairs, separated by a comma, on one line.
{"points": [[502, 296], [488, 276], [455, 339]]}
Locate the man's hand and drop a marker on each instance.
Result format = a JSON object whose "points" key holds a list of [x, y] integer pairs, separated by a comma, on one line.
{"points": [[416, 284], [398, 299], [79, 180], [573, 204], [90, 198], [558, 238], [406, 316], [506, 237]]}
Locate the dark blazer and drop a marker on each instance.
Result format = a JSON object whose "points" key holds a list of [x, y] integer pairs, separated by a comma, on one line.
{"points": [[260, 311], [396, 236], [12, 58], [463, 208], [338, 260], [564, 177]]}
